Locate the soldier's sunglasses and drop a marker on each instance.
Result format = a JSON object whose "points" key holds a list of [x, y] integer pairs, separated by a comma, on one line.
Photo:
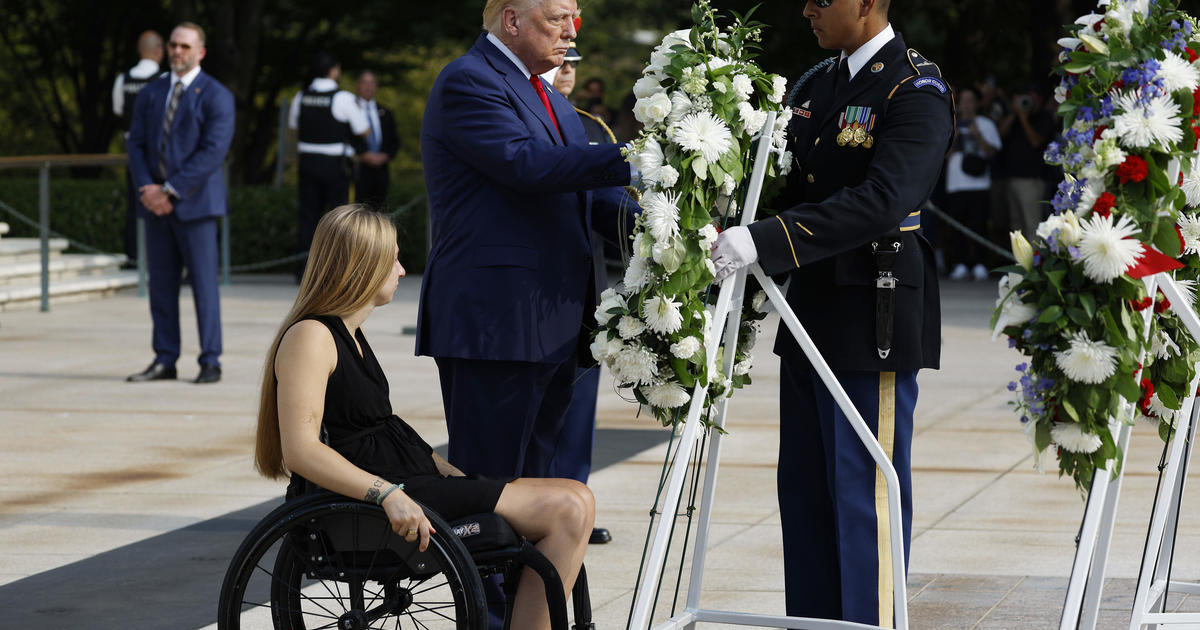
{"points": [[824, 4]]}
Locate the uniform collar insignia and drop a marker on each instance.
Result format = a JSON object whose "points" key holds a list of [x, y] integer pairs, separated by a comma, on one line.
{"points": [[877, 66]]}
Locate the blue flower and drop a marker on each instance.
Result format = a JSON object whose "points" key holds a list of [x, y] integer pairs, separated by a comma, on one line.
{"points": [[1022, 366], [1012, 386], [1012, 343], [1086, 114]]}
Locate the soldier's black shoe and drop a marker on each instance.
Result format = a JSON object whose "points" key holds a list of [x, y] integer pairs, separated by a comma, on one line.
{"points": [[156, 372], [208, 374], [599, 536]]}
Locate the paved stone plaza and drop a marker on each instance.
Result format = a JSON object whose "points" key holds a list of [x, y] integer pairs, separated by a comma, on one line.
{"points": [[121, 504]]}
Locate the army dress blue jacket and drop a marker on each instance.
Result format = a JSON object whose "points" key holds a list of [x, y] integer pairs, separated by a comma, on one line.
{"points": [[865, 162]]}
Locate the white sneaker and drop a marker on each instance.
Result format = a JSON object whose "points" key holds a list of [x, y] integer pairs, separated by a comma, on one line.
{"points": [[960, 272], [979, 272]]}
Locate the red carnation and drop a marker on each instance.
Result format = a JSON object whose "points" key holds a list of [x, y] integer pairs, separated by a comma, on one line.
{"points": [[1118, 84], [1162, 305], [1141, 305], [1196, 103], [1196, 132], [1147, 394], [1133, 169], [1098, 131], [1192, 56], [1104, 204]]}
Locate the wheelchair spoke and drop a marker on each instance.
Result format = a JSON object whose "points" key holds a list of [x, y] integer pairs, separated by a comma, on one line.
{"points": [[305, 566]]}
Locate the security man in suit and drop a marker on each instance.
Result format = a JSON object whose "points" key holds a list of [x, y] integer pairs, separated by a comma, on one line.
{"points": [[869, 131], [125, 90], [371, 172], [183, 125], [331, 130]]}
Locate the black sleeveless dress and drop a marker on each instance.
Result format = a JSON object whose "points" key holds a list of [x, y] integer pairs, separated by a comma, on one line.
{"points": [[359, 423]]}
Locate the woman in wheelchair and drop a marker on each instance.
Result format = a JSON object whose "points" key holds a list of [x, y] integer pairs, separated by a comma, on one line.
{"points": [[325, 416]]}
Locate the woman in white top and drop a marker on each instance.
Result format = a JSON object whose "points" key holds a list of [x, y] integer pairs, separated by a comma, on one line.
{"points": [[968, 182]]}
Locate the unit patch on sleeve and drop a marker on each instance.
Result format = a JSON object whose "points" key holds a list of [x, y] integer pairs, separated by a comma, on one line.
{"points": [[934, 81]]}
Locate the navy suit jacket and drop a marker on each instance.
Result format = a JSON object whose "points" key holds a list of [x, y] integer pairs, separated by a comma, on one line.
{"points": [[201, 133], [511, 207]]}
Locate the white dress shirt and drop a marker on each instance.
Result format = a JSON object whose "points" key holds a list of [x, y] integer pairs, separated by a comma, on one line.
{"points": [[371, 109], [867, 50], [144, 69], [344, 108], [511, 57]]}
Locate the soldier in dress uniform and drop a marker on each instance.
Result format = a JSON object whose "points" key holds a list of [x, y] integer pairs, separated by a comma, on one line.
{"points": [[125, 90], [331, 130], [870, 129]]}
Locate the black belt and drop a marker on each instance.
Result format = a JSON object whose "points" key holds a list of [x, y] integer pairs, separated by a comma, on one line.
{"points": [[886, 250]]}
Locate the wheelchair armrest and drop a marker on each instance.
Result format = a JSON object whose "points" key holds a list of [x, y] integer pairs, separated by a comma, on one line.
{"points": [[486, 534]]}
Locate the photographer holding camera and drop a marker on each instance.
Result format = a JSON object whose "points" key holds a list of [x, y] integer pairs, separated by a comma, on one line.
{"points": [[1025, 131]]}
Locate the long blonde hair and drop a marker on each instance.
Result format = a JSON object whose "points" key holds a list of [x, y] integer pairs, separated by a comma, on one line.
{"points": [[352, 255]]}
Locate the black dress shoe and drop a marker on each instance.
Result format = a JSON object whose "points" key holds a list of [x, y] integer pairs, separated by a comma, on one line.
{"points": [[208, 374], [599, 536], [156, 372]]}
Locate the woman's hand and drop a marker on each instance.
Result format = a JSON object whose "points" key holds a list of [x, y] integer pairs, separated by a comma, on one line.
{"points": [[407, 518]]}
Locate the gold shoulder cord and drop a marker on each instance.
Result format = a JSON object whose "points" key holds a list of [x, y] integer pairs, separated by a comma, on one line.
{"points": [[611, 137]]}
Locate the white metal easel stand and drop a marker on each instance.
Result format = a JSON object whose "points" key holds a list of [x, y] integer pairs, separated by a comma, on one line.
{"points": [[1082, 605], [728, 314]]}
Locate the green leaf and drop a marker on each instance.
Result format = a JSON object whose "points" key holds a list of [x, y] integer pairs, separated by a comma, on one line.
{"points": [[1069, 409], [681, 370], [1088, 303], [1164, 431], [1127, 387], [700, 168], [1078, 315], [1167, 241], [1041, 436], [1167, 396], [1050, 314]]}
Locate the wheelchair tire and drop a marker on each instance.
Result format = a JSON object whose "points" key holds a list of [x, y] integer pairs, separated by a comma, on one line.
{"points": [[326, 561]]}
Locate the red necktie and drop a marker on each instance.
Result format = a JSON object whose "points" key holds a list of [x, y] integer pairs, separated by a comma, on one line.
{"points": [[537, 85]]}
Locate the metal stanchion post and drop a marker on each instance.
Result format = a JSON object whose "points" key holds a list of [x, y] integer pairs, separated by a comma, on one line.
{"points": [[44, 230], [225, 277]]}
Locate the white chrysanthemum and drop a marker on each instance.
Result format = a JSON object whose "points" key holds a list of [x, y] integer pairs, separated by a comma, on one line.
{"points": [[778, 85], [1087, 361], [779, 134], [1162, 346], [1189, 226], [653, 109], [1156, 123], [703, 133], [1191, 183], [1177, 73], [1105, 249], [759, 299], [685, 348], [1188, 289], [661, 212], [609, 300], [1070, 436], [1090, 193], [752, 119], [743, 367], [647, 86], [650, 161], [785, 163], [668, 395], [662, 315], [1013, 311], [634, 365], [637, 273], [743, 87], [708, 236], [629, 326]]}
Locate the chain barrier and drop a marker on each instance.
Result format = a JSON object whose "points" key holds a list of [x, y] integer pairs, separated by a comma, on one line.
{"points": [[256, 266]]}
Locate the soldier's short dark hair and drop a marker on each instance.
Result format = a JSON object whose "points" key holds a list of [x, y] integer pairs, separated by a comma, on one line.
{"points": [[322, 63]]}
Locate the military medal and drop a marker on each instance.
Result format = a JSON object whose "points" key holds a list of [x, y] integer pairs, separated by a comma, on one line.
{"points": [[860, 136], [845, 136]]}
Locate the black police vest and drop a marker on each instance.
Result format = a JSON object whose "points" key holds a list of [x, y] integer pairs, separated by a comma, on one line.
{"points": [[317, 124], [130, 87]]}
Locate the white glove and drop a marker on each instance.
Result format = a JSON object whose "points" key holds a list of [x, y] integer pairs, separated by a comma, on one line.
{"points": [[733, 250]]}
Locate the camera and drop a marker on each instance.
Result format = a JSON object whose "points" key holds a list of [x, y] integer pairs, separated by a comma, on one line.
{"points": [[1025, 101]]}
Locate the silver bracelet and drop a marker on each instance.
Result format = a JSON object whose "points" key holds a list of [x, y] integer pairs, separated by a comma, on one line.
{"points": [[383, 495]]}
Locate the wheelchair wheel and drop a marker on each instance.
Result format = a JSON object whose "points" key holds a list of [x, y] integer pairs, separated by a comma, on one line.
{"points": [[325, 561]]}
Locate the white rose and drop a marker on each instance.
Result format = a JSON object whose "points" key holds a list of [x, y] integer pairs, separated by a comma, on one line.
{"points": [[1060, 94], [607, 303], [653, 109], [647, 86], [752, 119], [708, 236]]}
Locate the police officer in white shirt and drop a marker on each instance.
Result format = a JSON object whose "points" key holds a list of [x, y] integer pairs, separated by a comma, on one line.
{"points": [[125, 90], [332, 129]]}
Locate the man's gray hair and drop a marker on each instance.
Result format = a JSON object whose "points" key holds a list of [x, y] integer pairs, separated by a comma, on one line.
{"points": [[493, 10]]}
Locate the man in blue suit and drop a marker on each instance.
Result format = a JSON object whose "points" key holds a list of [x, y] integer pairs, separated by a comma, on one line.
{"points": [[514, 192], [182, 127]]}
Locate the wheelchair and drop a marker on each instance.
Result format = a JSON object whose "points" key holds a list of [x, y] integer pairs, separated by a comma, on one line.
{"points": [[322, 560]]}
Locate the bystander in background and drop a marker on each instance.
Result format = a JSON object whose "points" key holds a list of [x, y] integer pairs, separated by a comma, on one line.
{"points": [[125, 89], [968, 184]]}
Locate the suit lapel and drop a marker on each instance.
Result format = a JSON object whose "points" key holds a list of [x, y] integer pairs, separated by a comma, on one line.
{"points": [[519, 84]]}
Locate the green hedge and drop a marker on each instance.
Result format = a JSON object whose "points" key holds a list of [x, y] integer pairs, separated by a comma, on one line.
{"points": [[262, 219]]}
